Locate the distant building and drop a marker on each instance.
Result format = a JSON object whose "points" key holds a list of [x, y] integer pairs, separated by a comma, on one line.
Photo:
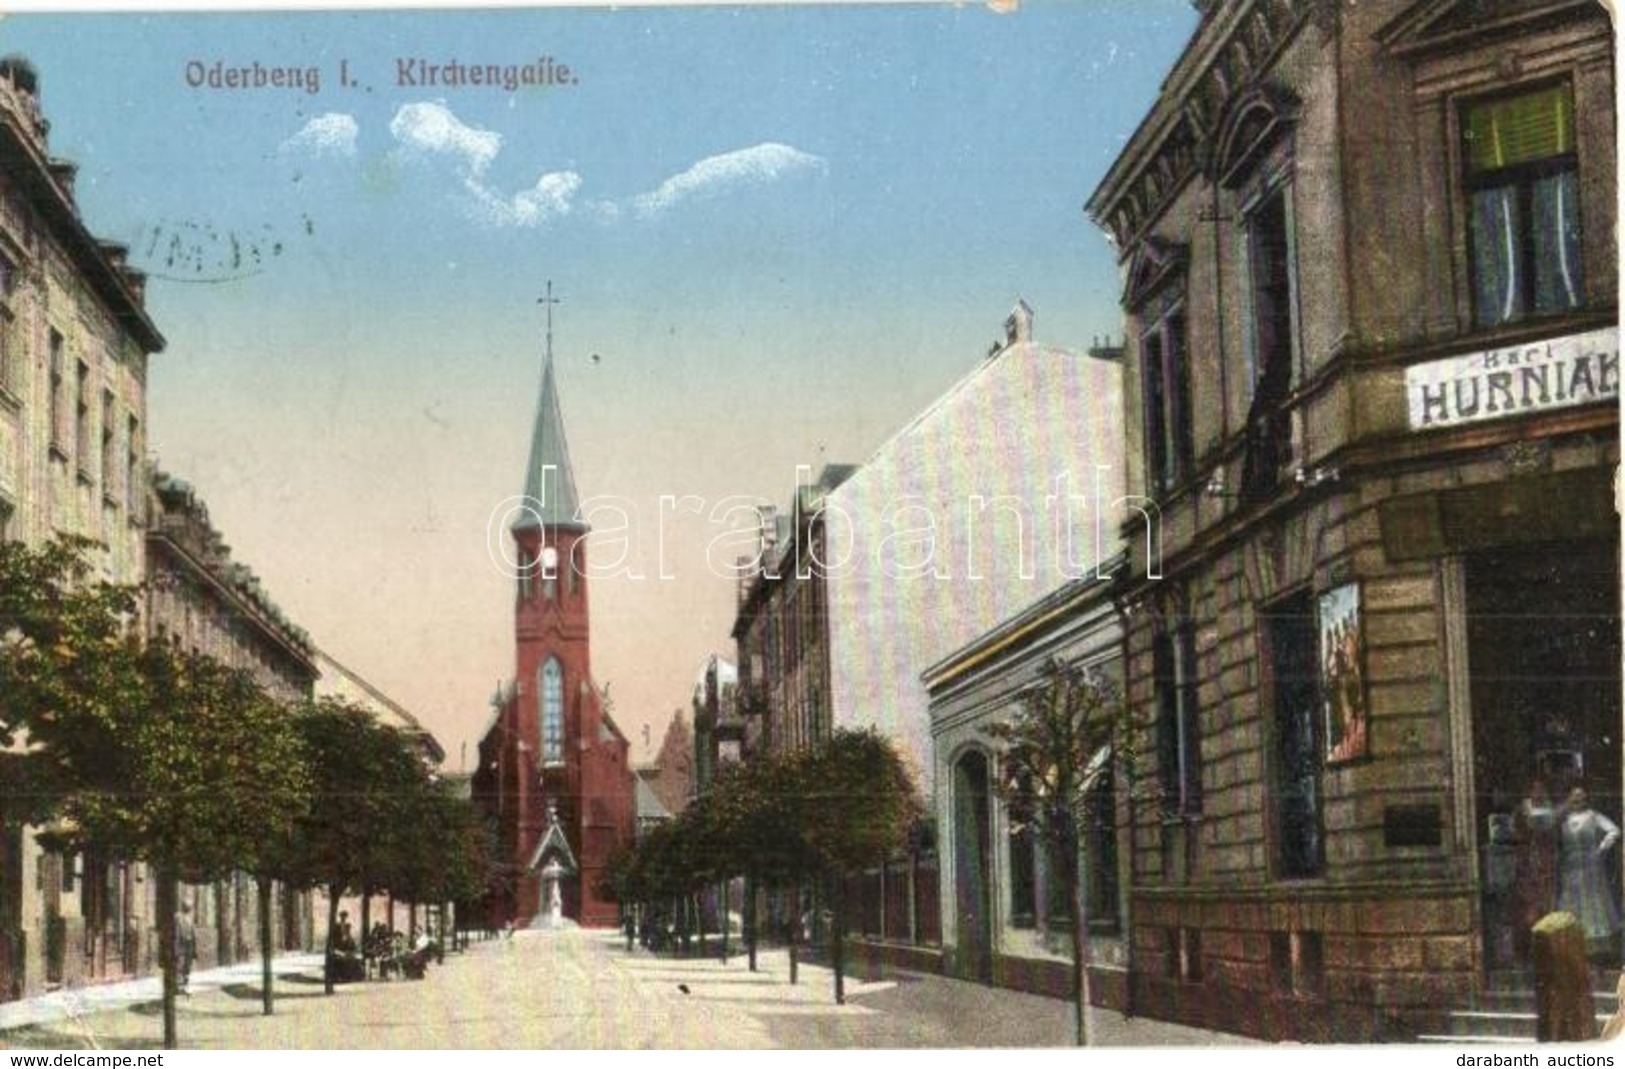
{"points": [[651, 811], [346, 684], [998, 493], [1004, 912], [74, 344], [671, 776], [781, 627], [554, 771], [338, 681], [719, 725], [1002, 492]]}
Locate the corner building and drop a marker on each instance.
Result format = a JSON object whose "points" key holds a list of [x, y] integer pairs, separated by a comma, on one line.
{"points": [[1372, 403]]}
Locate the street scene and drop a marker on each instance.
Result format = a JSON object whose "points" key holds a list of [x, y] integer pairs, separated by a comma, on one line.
{"points": [[811, 526], [596, 996]]}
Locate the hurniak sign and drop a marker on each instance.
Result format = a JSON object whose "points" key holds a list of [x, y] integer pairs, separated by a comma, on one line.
{"points": [[1575, 369]]}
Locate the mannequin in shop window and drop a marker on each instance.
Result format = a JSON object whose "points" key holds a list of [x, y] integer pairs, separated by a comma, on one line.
{"points": [[1585, 844]]}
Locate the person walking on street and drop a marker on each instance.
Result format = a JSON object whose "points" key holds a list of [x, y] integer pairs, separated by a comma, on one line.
{"points": [[185, 947]]}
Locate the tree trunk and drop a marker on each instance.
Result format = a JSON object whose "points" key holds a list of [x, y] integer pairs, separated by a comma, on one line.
{"points": [[722, 894], [697, 902], [795, 935], [328, 961], [262, 884], [1079, 916], [750, 920], [1562, 981], [167, 905], [837, 936]]}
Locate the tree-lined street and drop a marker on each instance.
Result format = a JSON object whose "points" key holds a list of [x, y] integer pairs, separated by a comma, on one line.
{"points": [[582, 989]]}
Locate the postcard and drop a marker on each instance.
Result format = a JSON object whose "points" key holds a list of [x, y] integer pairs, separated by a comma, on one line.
{"points": [[810, 526]]}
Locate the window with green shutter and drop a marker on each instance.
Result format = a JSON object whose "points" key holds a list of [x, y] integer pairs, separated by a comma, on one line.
{"points": [[1523, 205]]}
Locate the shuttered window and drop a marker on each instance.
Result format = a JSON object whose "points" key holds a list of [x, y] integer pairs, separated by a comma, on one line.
{"points": [[1523, 205]]}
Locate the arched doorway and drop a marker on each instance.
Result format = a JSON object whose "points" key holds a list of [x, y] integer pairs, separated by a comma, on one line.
{"points": [[973, 867]]}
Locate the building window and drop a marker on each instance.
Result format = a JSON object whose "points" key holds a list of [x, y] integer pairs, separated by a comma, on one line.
{"points": [[56, 399], [1179, 743], [1024, 863], [109, 441], [1294, 675], [1523, 205], [1272, 330], [1100, 843], [10, 358], [11, 346], [552, 713], [1165, 373], [527, 571], [134, 485], [81, 437]]}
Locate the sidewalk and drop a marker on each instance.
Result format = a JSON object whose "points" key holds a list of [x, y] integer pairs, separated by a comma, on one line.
{"points": [[576, 990], [901, 1009], [75, 1003]]}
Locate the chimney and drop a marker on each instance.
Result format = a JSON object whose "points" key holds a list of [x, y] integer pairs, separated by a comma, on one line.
{"points": [[1107, 350], [1019, 326], [63, 172]]}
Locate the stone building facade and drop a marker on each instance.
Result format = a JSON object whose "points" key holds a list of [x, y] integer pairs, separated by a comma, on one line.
{"points": [[1003, 906], [199, 598], [782, 627], [75, 339], [1372, 388]]}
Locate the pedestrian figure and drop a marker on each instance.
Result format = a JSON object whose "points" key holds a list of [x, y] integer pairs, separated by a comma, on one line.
{"points": [[185, 947], [1586, 838]]}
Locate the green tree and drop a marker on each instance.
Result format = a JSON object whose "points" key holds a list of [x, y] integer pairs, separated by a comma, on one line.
{"points": [[64, 668], [192, 772], [366, 783], [857, 805], [1055, 751]]}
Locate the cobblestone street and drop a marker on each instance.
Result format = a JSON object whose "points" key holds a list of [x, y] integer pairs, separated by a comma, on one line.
{"points": [[577, 989]]}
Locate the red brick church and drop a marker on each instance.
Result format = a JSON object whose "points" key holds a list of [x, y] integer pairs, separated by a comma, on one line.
{"points": [[554, 774]]}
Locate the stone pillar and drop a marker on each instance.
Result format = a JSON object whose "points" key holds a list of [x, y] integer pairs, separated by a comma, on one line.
{"points": [[1562, 981]]}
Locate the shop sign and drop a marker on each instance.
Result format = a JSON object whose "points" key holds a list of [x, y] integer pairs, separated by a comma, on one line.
{"points": [[1576, 369]]}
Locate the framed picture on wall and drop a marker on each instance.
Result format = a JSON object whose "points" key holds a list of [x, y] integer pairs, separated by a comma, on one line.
{"points": [[1342, 675]]}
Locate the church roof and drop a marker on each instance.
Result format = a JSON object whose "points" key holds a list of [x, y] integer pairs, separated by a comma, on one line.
{"points": [[551, 496], [553, 843]]}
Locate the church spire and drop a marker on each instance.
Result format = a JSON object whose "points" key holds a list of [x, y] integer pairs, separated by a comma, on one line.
{"points": [[552, 494]]}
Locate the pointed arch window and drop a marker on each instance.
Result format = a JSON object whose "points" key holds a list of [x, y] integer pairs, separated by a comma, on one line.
{"points": [[552, 701]]}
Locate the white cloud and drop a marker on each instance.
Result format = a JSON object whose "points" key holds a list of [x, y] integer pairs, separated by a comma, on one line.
{"points": [[334, 132], [552, 196], [757, 165], [429, 126]]}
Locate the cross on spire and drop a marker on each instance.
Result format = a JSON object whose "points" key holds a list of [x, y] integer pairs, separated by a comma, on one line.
{"points": [[549, 300]]}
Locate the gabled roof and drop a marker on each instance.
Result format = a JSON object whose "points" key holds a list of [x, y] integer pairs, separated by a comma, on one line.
{"points": [[553, 842], [649, 805], [551, 498], [385, 705]]}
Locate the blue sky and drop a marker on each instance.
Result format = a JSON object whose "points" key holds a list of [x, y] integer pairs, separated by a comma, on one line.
{"points": [[781, 231]]}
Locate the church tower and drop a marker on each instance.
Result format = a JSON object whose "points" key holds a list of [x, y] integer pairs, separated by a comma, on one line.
{"points": [[564, 779]]}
